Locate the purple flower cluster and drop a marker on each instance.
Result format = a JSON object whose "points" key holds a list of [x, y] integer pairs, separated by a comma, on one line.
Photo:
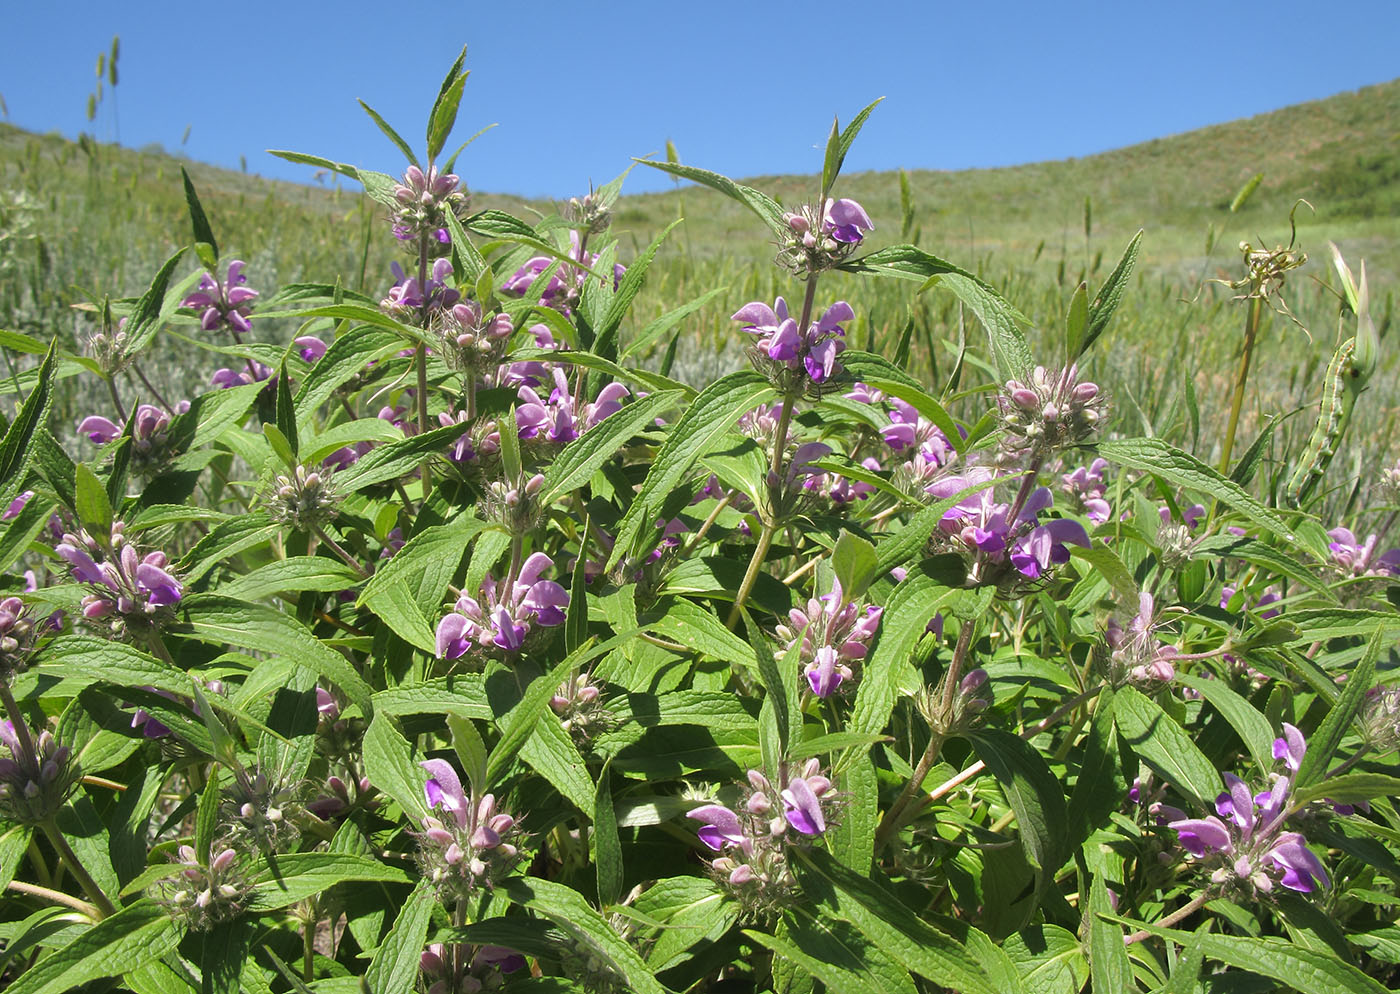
{"points": [[579, 704], [782, 346], [818, 240], [913, 438], [994, 547], [834, 635], [424, 200], [1244, 840], [1051, 410], [754, 839], [565, 286], [35, 777], [241, 376], [405, 297], [224, 303], [17, 633], [206, 896], [507, 612], [1087, 487], [472, 340], [132, 590], [483, 970], [468, 846], [1355, 558], [1136, 655], [554, 418]]}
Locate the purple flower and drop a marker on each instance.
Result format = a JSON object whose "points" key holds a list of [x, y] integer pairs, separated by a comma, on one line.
{"points": [[1244, 840], [565, 286], [503, 618], [223, 303], [555, 420], [405, 297], [978, 526], [226, 379], [124, 586], [721, 827], [1137, 655], [1087, 487], [467, 848], [812, 349], [99, 429], [803, 808], [1360, 559], [834, 634], [845, 220], [310, 348]]}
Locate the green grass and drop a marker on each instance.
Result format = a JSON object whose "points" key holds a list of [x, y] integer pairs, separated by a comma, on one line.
{"points": [[96, 219]]}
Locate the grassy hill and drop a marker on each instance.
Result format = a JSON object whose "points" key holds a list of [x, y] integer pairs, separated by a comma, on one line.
{"points": [[82, 217]]}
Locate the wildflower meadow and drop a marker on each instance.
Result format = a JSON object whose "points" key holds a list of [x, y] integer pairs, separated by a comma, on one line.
{"points": [[456, 633]]}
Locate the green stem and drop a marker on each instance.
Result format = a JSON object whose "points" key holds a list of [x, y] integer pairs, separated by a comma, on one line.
{"points": [[345, 557], [55, 896], [760, 552], [75, 866], [420, 356], [1185, 911], [116, 401], [1251, 331], [308, 945], [151, 387], [893, 817]]}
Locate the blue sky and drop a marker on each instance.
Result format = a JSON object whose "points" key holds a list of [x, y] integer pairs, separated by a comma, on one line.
{"points": [[745, 88]]}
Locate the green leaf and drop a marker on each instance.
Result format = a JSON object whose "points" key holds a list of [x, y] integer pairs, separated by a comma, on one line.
{"points": [[138, 934], [345, 358], [286, 412], [1034, 794], [292, 877], [891, 924], [392, 766], [1349, 788], [854, 563], [839, 144], [395, 965], [206, 820], [1109, 296], [580, 459], [551, 752], [1076, 320], [444, 116], [222, 956], [712, 413], [667, 321], [15, 449], [203, 231], [566, 908], [297, 574], [1251, 726], [23, 529], [837, 955], [148, 314], [767, 209], [853, 840], [390, 133], [93, 507], [1162, 744], [907, 613], [217, 619], [1324, 742], [470, 749], [281, 446], [691, 909], [1105, 564], [1048, 959], [607, 846], [1175, 466], [1109, 966], [407, 591], [1308, 971], [627, 289], [519, 724]]}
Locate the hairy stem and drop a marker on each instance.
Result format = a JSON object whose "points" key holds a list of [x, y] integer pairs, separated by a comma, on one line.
{"points": [[55, 896], [760, 552], [140, 375], [70, 859], [1251, 331], [1185, 911], [345, 557], [116, 400]]}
